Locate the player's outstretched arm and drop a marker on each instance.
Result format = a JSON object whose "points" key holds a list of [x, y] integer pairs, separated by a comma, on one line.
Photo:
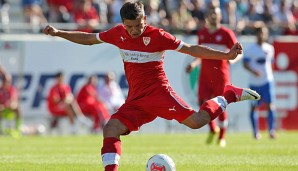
{"points": [[204, 52], [73, 36]]}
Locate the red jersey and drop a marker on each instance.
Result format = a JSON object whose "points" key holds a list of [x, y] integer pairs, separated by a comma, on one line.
{"points": [[68, 4], [7, 94], [222, 39], [84, 94], [142, 56], [58, 91], [80, 15]]}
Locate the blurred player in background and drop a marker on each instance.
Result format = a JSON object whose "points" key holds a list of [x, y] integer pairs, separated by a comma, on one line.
{"points": [[61, 103], [214, 74], [91, 104], [85, 15], [150, 95], [258, 62], [110, 92], [9, 101]]}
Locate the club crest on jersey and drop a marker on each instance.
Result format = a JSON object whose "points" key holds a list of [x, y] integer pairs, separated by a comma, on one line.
{"points": [[218, 38], [146, 40]]}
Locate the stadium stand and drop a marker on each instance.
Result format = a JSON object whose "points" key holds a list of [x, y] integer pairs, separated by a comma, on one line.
{"points": [[235, 15]]}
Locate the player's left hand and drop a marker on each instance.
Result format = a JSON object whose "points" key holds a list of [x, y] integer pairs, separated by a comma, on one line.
{"points": [[235, 51], [50, 30]]}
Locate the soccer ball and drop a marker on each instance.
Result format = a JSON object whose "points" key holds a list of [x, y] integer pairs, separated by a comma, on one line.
{"points": [[160, 162]]}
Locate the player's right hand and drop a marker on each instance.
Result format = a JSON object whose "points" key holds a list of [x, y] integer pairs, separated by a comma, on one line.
{"points": [[189, 68], [235, 51], [50, 30], [257, 73]]}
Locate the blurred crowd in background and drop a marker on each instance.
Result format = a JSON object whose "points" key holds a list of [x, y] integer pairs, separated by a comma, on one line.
{"points": [[175, 16]]}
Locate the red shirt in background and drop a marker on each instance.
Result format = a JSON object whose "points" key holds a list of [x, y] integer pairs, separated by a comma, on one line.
{"points": [[8, 94], [82, 16], [59, 92], [84, 94], [68, 4]]}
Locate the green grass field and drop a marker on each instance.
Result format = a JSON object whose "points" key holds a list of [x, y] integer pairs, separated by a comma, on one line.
{"points": [[189, 152]]}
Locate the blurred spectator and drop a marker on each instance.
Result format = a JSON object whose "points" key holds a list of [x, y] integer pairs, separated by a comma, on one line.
{"points": [[165, 14], [152, 12], [251, 20], [102, 10], [60, 10], [230, 19], [294, 10], [4, 15], [198, 13], [91, 105], [241, 8], [61, 103], [182, 19], [33, 12], [113, 10], [9, 102], [110, 92], [267, 14], [85, 15], [284, 18]]}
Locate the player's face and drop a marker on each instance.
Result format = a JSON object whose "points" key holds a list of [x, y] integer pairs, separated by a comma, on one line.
{"points": [[135, 27], [214, 17], [262, 36], [59, 79]]}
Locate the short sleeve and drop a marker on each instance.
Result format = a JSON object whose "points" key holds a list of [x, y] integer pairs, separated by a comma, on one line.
{"points": [[108, 36], [232, 39], [169, 42]]}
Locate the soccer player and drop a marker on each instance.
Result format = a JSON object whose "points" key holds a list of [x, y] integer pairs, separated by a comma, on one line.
{"points": [[150, 95], [258, 61], [91, 105], [61, 103], [9, 101], [214, 74]]}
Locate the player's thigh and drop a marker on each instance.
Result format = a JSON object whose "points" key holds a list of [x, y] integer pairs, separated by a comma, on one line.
{"points": [[132, 116], [168, 105]]}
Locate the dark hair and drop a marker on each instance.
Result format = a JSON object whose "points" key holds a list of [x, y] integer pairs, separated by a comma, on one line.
{"points": [[59, 74], [260, 28], [132, 10]]}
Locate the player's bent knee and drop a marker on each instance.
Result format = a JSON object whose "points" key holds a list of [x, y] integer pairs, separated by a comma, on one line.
{"points": [[196, 125], [114, 128], [197, 120]]}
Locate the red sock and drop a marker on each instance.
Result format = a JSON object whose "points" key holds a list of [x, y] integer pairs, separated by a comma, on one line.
{"points": [[111, 167], [212, 126], [111, 152], [222, 133], [230, 96], [214, 107], [223, 120]]}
